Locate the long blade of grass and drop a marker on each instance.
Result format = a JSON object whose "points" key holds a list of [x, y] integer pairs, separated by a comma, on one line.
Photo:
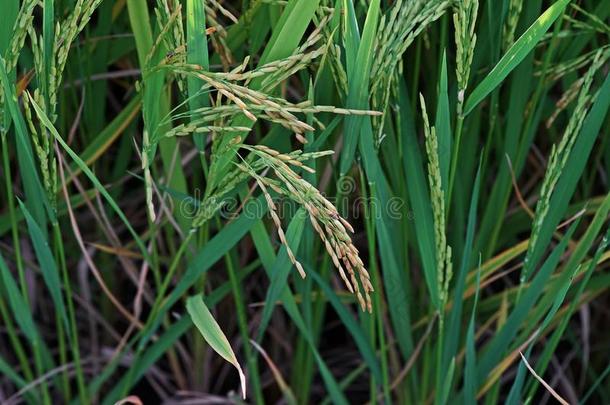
{"points": [[515, 54], [155, 105], [358, 85], [97, 184], [36, 200], [197, 53], [48, 37], [18, 304], [105, 139], [418, 193], [455, 316], [576, 258], [197, 48], [10, 8], [446, 388], [514, 396], [211, 252], [351, 33], [470, 368], [395, 279], [350, 323], [505, 335], [49, 270], [7, 370], [442, 124], [289, 29]]}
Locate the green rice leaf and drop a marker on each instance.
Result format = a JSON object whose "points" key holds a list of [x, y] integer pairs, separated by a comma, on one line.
{"points": [[359, 84], [442, 124], [419, 196], [470, 369], [213, 335], [49, 270], [7, 370], [10, 8], [455, 317], [36, 199], [18, 304], [350, 323], [98, 185], [290, 28], [207, 256], [503, 338], [515, 54]]}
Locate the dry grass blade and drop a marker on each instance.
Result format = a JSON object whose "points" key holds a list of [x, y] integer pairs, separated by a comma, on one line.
{"points": [[96, 273], [277, 375], [544, 383], [132, 399]]}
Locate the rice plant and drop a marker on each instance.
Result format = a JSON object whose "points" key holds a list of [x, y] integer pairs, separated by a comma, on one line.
{"points": [[290, 201]]}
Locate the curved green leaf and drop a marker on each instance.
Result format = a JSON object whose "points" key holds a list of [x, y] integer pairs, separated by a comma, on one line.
{"points": [[211, 332]]}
